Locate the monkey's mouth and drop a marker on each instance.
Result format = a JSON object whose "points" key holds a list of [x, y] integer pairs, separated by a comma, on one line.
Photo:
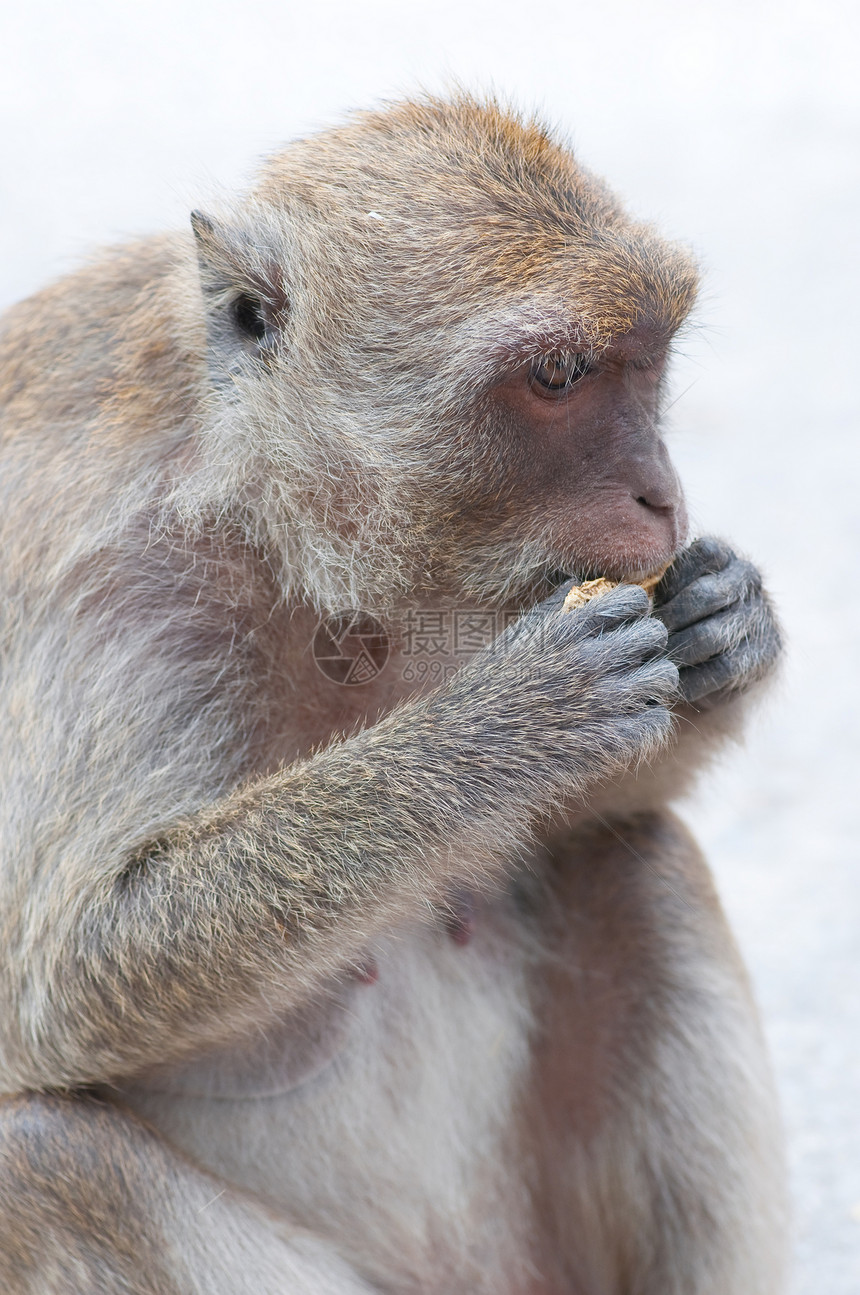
{"points": [[558, 576], [555, 577]]}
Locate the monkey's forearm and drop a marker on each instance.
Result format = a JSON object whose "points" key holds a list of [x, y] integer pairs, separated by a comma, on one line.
{"points": [[255, 900], [262, 897]]}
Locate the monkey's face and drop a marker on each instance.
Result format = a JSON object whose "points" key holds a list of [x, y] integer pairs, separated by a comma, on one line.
{"points": [[539, 453], [585, 476], [441, 345], [485, 484]]}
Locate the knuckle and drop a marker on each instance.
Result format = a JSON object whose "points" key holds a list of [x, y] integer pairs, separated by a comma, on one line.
{"points": [[745, 575], [659, 721], [669, 673], [654, 632], [692, 644], [712, 550], [662, 679], [629, 644], [647, 728]]}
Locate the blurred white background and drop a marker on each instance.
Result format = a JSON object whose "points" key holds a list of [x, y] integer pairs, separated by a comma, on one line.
{"points": [[737, 127]]}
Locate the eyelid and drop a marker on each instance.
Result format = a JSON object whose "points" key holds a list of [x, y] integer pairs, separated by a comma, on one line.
{"points": [[570, 366]]}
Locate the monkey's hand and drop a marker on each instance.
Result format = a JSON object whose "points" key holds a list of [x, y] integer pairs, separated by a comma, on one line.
{"points": [[569, 698], [723, 634]]}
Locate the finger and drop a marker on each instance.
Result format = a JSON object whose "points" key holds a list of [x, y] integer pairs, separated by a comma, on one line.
{"points": [[646, 732], [645, 639], [705, 556], [630, 647], [654, 683], [660, 680], [712, 636], [710, 594], [624, 603], [555, 600], [699, 682], [722, 674]]}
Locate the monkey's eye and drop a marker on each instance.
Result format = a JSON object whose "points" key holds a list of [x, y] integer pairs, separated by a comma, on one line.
{"points": [[249, 317], [555, 373]]}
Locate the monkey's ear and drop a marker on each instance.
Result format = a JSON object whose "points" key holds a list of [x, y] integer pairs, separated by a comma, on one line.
{"points": [[243, 286]]}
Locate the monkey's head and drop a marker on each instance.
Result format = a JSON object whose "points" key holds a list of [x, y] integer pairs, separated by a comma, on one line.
{"points": [[438, 349]]}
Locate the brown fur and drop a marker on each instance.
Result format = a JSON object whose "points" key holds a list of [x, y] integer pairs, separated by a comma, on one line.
{"points": [[209, 848]]}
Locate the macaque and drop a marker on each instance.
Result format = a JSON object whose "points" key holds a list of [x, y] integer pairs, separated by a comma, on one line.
{"points": [[409, 983]]}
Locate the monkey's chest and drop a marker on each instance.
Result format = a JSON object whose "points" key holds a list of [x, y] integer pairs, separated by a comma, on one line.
{"points": [[388, 1120]]}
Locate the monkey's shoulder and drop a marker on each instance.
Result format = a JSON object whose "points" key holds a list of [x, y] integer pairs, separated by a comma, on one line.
{"points": [[118, 341]]}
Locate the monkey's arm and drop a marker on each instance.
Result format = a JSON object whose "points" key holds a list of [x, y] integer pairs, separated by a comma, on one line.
{"points": [[175, 942]]}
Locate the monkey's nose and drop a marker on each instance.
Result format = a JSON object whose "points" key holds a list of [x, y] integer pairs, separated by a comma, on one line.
{"points": [[656, 486], [657, 505], [650, 475], [667, 507]]}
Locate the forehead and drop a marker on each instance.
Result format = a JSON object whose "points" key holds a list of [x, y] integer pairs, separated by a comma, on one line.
{"points": [[461, 159], [458, 201]]}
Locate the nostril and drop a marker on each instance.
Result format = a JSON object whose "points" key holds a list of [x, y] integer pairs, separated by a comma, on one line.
{"points": [[666, 513], [655, 505]]}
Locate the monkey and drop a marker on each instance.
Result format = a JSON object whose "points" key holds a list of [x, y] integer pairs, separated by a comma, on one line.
{"points": [[418, 984]]}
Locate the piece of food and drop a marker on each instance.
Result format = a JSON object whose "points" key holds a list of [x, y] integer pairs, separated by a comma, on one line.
{"points": [[579, 595]]}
